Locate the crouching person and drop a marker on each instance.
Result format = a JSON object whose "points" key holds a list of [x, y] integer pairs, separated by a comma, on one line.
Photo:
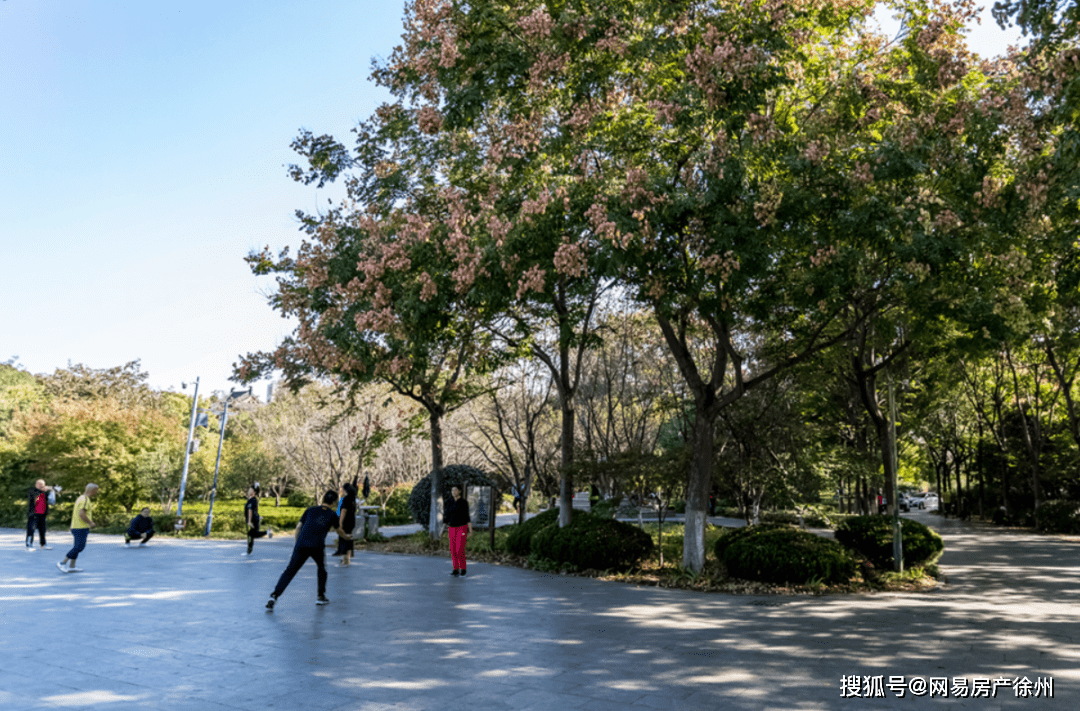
{"points": [[142, 526]]}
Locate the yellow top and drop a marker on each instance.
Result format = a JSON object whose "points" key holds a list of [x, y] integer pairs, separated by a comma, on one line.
{"points": [[81, 504]]}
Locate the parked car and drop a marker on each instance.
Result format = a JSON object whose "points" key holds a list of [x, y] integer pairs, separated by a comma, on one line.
{"points": [[915, 501], [905, 502], [930, 502]]}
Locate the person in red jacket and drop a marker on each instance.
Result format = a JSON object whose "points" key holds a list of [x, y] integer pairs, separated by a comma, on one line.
{"points": [[38, 499]]}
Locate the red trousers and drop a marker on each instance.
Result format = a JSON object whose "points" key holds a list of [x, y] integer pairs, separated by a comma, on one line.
{"points": [[458, 536]]}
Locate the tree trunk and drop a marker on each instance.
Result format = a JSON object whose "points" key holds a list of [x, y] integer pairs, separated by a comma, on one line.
{"points": [[435, 516], [566, 483], [697, 491]]}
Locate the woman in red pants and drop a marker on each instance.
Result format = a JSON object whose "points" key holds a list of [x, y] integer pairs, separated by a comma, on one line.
{"points": [[459, 526]]}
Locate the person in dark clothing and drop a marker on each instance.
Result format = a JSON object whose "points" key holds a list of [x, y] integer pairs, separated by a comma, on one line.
{"points": [[38, 499], [315, 523], [458, 521], [251, 514], [142, 526], [347, 522]]}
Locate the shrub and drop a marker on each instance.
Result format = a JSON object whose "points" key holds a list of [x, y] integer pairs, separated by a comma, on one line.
{"points": [[1058, 516], [299, 499], [520, 537], [872, 537], [397, 504], [786, 517], [731, 535], [787, 555], [593, 542], [606, 508], [460, 475]]}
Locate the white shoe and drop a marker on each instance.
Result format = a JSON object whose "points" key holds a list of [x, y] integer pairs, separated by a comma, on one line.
{"points": [[30, 549], [127, 544], [63, 568], [142, 545], [74, 570], [269, 532], [245, 554], [46, 548]]}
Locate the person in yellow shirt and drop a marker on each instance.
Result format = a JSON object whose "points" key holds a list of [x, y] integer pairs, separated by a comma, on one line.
{"points": [[81, 523]]}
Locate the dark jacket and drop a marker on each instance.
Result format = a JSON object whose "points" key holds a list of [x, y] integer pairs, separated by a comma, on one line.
{"points": [[456, 513], [141, 524], [31, 499]]}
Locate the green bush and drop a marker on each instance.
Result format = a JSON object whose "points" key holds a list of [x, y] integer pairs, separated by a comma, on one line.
{"points": [[520, 536], [298, 499], [785, 517], [397, 504], [787, 555], [606, 508], [731, 535], [593, 542], [1058, 516], [460, 475], [872, 537]]}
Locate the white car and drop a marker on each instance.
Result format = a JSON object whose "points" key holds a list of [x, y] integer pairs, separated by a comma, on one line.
{"points": [[930, 502]]}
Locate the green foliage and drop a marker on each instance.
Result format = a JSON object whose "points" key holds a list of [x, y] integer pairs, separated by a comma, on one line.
{"points": [[787, 556], [520, 539], [460, 475], [397, 504], [299, 499], [872, 537], [1058, 516], [729, 536], [593, 542]]}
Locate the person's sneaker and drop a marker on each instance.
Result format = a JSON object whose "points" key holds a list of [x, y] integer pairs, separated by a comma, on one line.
{"points": [[46, 548], [127, 540], [245, 554], [74, 570], [322, 600], [463, 573], [270, 602], [127, 544], [455, 573], [63, 568], [269, 532], [142, 544], [30, 549]]}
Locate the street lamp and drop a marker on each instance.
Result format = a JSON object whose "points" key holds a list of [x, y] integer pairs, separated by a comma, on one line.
{"points": [[187, 451], [217, 464]]}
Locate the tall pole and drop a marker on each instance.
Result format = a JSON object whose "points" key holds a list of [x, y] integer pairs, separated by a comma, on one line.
{"points": [[187, 451], [898, 538], [217, 464]]}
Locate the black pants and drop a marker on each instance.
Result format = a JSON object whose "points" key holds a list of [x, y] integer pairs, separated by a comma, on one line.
{"points": [[300, 555], [133, 534], [35, 520], [254, 533]]}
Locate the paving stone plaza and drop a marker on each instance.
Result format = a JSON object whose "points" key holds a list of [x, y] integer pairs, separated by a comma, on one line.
{"points": [[181, 624]]}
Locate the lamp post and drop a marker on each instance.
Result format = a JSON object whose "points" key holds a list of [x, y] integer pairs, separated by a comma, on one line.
{"points": [[187, 450], [217, 464]]}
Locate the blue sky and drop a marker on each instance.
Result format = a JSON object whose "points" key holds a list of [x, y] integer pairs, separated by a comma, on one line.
{"points": [[142, 156]]}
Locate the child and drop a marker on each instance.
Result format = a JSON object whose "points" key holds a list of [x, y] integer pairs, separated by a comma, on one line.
{"points": [[142, 525]]}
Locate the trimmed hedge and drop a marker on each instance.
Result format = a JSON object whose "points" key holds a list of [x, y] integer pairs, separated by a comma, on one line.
{"points": [[731, 535], [787, 556], [520, 537], [1058, 516], [460, 475], [593, 542], [872, 537]]}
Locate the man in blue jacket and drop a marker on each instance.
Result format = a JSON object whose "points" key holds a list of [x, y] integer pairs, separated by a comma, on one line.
{"points": [[315, 523], [142, 526]]}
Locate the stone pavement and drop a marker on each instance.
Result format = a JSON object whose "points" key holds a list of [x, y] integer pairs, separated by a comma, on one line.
{"points": [[180, 625]]}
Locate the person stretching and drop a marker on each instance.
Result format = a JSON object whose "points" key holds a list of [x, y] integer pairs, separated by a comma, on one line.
{"points": [[251, 512], [39, 498], [315, 523], [142, 526]]}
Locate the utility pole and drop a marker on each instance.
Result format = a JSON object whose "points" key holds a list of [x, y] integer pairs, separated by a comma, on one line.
{"points": [[187, 450], [217, 465], [898, 538]]}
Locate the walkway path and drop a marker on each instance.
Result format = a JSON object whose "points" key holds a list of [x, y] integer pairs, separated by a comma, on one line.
{"points": [[180, 625]]}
